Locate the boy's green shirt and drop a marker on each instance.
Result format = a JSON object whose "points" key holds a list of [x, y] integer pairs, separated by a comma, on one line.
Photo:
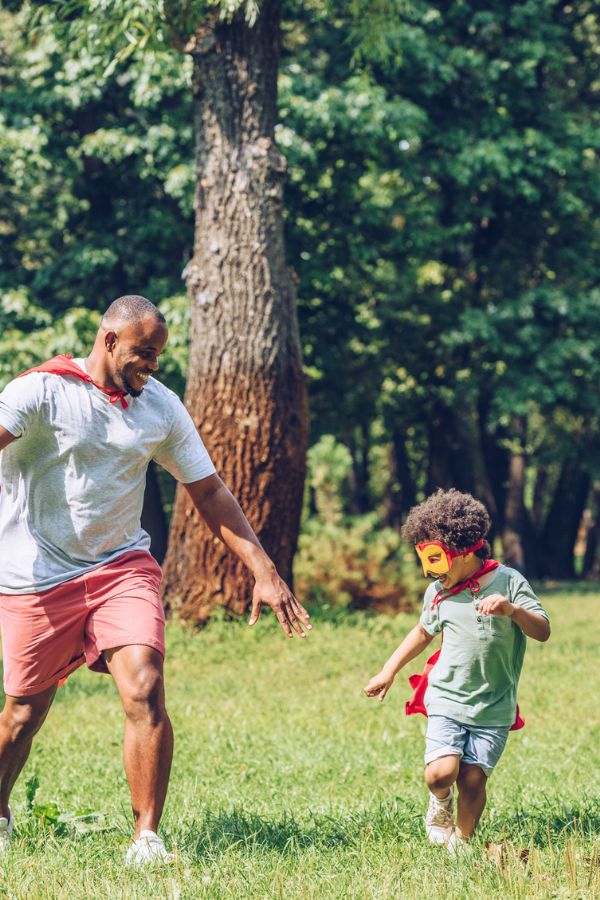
{"points": [[475, 678]]}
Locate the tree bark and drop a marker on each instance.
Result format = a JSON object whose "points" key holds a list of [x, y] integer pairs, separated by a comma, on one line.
{"points": [[246, 390], [154, 520], [516, 531], [563, 520], [358, 442], [591, 560], [400, 493], [456, 456]]}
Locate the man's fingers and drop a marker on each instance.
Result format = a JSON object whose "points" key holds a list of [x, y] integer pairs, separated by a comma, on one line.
{"points": [[256, 606], [293, 619], [283, 620], [301, 612]]}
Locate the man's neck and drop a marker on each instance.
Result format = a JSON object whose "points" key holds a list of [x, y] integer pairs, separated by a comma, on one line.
{"points": [[95, 367]]}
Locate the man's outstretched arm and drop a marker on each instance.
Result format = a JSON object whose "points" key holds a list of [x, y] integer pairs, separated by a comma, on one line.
{"points": [[223, 515]]}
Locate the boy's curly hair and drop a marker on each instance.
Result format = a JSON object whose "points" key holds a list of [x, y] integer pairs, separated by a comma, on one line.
{"points": [[456, 519]]}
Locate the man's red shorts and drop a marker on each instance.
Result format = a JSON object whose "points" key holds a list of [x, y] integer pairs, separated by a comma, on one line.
{"points": [[46, 636]]}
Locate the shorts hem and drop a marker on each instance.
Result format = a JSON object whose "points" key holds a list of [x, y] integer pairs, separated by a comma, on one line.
{"points": [[442, 751], [153, 643], [41, 686], [487, 771]]}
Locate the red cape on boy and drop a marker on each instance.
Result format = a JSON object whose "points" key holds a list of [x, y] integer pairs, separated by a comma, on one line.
{"points": [[419, 683]]}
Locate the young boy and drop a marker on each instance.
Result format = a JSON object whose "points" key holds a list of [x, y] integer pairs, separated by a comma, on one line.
{"points": [[483, 610]]}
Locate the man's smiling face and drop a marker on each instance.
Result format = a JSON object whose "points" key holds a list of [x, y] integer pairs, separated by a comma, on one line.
{"points": [[134, 350]]}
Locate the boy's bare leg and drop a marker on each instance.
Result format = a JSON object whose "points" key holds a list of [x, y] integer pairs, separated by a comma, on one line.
{"points": [[20, 719], [441, 774], [471, 783]]}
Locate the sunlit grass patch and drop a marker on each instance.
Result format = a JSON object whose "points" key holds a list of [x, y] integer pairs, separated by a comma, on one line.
{"points": [[288, 783]]}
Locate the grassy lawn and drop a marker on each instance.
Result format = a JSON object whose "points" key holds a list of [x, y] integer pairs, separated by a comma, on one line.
{"points": [[288, 783]]}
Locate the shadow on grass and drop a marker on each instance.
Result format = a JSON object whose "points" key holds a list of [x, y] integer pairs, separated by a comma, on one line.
{"points": [[553, 820], [551, 823], [220, 831]]}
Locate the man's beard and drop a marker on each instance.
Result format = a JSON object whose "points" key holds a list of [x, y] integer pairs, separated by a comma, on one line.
{"points": [[126, 384], [131, 390]]}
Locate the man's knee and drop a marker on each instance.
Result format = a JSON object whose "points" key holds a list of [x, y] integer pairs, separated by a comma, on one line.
{"points": [[471, 780], [144, 696], [23, 718]]}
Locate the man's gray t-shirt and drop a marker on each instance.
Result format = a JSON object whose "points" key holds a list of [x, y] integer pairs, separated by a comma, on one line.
{"points": [[72, 485], [475, 678]]}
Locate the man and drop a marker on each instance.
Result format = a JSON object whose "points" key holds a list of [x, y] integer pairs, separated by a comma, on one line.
{"points": [[77, 583]]}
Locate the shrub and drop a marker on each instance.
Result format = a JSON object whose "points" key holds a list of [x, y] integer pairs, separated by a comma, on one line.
{"points": [[356, 563]]}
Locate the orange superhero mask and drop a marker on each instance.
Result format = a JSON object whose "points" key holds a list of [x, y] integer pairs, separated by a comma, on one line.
{"points": [[436, 558]]}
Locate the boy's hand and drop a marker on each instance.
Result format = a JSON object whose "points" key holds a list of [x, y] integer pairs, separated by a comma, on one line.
{"points": [[379, 685], [496, 605]]}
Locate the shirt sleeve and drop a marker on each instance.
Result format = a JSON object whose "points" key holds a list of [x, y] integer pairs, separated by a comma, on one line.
{"points": [[183, 453], [20, 402], [522, 594], [430, 618]]}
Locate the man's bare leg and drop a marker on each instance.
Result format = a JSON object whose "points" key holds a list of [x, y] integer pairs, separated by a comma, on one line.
{"points": [[472, 798], [20, 719], [148, 745]]}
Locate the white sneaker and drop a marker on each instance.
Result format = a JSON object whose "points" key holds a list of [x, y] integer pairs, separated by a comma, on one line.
{"points": [[459, 848], [439, 821], [147, 850], [6, 830]]}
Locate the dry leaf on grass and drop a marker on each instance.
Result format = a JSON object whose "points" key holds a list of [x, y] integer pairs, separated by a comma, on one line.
{"points": [[505, 853]]}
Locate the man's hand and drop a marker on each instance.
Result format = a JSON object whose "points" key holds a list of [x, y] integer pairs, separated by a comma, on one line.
{"points": [[496, 605], [223, 515], [379, 685], [271, 590]]}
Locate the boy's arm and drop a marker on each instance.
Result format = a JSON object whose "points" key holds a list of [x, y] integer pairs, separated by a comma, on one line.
{"points": [[531, 623], [413, 644]]}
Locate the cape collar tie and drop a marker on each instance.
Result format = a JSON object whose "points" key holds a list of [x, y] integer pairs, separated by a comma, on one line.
{"points": [[472, 583]]}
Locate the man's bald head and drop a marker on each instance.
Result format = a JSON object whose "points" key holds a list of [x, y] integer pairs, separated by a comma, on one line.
{"points": [[131, 337], [131, 309]]}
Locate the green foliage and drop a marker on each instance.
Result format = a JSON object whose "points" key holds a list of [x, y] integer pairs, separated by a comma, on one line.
{"points": [[329, 465], [92, 173], [48, 819], [355, 562]]}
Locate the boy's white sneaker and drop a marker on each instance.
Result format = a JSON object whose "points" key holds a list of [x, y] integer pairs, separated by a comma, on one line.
{"points": [[439, 821], [6, 830], [459, 848], [147, 850]]}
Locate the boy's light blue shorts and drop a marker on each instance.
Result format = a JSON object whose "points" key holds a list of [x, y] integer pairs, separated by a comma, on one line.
{"points": [[476, 746]]}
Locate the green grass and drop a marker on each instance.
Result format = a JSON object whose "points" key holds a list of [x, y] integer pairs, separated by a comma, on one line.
{"points": [[288, 783]]}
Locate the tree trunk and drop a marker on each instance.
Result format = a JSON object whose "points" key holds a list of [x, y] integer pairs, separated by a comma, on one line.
{"points": [[516, 531], [591, 560], [400, 493], [456, 455], [439, 474], [246, 390], [496, 461], [154, 520], [358, 442], [563, 520]]}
